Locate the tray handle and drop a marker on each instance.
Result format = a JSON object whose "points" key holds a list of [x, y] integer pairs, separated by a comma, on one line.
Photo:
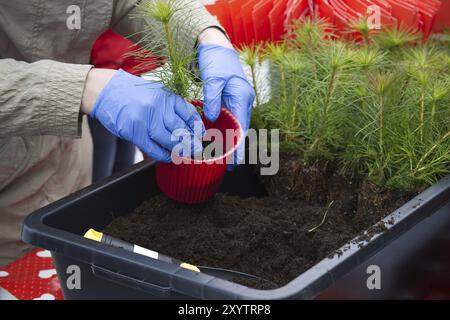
{"points": [[154, 289]]}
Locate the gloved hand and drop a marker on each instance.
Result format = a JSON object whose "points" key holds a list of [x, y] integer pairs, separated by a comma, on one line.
{"points": [[146, 114], [225, 84]]}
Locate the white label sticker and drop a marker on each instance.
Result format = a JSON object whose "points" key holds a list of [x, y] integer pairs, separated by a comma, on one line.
{"points": [[146, 252]]}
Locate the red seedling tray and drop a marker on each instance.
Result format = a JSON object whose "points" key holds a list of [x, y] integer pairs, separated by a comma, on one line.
{"points": [[196, 181], [247, 20], [383, 4], [261, 21], [346, 8], [385, 9], [442, 20], [427, 12], [362, 6], [406, 14], [238, 36], [221, 11], [344, 16], [277, 16], [387, 19], [296, 9], [326, 11]]}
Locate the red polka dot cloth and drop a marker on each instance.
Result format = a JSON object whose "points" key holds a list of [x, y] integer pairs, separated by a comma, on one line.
{"points": [[33, 277]]}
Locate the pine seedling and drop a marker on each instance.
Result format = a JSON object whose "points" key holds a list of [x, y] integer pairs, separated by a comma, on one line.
{"points": [[288, 109], [423, 64], [438, 93], [251, 55], [333, 89], [433, 162], [441, 39], [381, 109], [276, 52], [361, 27], [375, 120], [161, 40], [308, 97], [401, 144], [396, 37], [382, 85], [284, 113], [309, 33], [368, 58], [427, 147]]}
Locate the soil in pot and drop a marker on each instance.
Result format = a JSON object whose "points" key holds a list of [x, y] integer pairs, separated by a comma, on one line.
{"points": [[275, 237]]}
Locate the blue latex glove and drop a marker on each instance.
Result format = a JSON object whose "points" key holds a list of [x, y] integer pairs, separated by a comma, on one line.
{"points": [[146, 114], [225, 84]]}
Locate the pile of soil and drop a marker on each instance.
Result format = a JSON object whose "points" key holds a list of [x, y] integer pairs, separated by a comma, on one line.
{"points": [[269, 237]]}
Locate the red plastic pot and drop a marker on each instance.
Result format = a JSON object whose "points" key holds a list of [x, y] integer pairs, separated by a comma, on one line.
{"points": [[195, 181]]}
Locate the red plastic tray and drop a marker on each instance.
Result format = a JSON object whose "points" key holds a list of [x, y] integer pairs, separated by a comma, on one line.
{"points": [[220, 10], [238, 36], [442, 19], [260, 20], [277, 17], [296, 9], [362, 6], [247, 20], [406, 14]]}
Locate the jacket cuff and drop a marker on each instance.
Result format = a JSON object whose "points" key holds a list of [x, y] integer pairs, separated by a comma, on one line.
{"points": [[64, 90], [190, 22]]}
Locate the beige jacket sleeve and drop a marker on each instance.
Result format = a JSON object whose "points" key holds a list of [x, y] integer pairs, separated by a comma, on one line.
{"points": [[40, 98], [43, 97], [190, 21]]}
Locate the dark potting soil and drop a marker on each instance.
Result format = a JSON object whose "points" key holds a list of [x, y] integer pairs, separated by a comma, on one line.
{"points": [[276, 237]]}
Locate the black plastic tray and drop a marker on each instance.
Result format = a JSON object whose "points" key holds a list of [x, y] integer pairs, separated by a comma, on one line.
{"points": [[110, 273]]}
